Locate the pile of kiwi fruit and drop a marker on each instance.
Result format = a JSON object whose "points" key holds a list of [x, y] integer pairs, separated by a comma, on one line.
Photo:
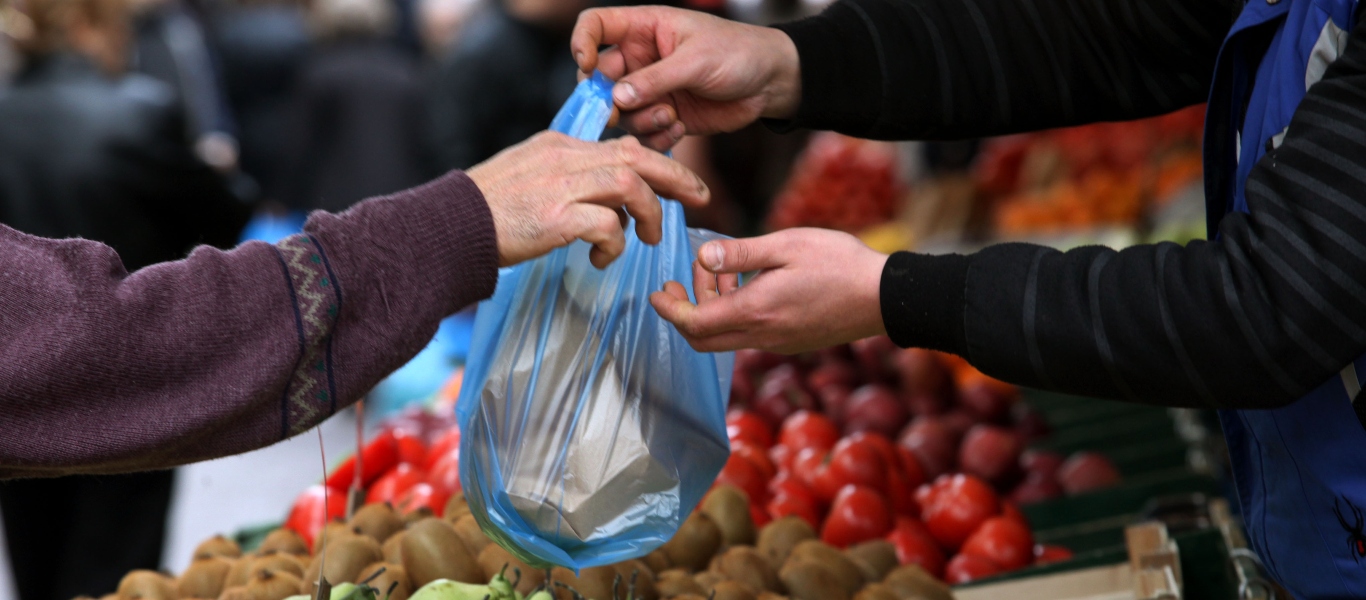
{"points": [[717, 554]]}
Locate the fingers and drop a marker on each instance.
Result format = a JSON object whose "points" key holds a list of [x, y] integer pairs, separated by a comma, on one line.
{"points": [[598, 226], [612, 63], [676, 289], [744, 255], [727, 283], [666, 176], [704, 284], [618, 187], [595, 28], [662, 141], [651, 84], [660, 117]]}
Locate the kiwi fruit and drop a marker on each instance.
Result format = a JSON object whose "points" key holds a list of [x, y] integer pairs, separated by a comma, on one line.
{"points": [[690, 597], [875, 558], [391, 548], [335, 531], [745, 565], [393, 576], [777, 539], [273, 585], [696, 542], [283, 541], [240, 571], [237, 592], [284, 563], [850, 577], [807, 579], [707, 580], [876, 591], [204, 577], [732, 590], [147, 585], [591, 583], [658, 561], [470, 533], [379, 521], [493, 559], [217, 545], [728, 507], [342, 560], [643, 576], [770, 596], [456, 507], [417, 514], [676, 582], [914, 583], [432, 550]]}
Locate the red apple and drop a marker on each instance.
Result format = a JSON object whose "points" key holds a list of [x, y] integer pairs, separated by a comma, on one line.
{"points": [[1087, 471], [987, 399], [934, 445], [990, 452], [833, 372], [741, 389], [1036, 487], [874, 407], [833, 400], [959, 422], [872, 355], [920, 371], [926, 404], [1030, 424], [781, 394], [756, 362], [1044, 462]]}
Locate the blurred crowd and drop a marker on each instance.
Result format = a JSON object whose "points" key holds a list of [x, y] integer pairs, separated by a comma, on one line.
{"points": [[156, 125]]}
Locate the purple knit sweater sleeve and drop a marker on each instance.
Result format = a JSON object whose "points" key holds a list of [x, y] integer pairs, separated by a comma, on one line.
{"points": [[225, 352]]}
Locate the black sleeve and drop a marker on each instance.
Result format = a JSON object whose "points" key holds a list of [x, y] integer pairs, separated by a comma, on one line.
{"points": [[952, 69], [1272, 308]]}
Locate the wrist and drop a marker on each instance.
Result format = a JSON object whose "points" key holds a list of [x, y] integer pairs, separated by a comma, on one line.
{"points": [[783, 92], [868, 306]]}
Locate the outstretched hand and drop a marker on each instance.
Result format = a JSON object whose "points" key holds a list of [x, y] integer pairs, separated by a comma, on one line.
{"points": [[684, 72], [553, 189], [815, 288]]}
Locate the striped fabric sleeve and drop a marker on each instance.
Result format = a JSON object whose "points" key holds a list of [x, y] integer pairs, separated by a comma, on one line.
{"points": [[947, 69], [1271, 309]]}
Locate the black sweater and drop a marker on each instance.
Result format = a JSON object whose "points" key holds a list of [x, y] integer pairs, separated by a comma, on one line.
{"points": [[1272, 309]]}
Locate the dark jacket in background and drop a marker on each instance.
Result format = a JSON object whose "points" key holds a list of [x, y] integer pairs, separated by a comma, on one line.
{"points": [[85, 156], [359, 126], [501, 83], [172, 46]]}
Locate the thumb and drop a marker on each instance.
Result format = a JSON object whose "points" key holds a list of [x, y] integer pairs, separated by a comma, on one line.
{"points": [[650, 84], [741, 256]]}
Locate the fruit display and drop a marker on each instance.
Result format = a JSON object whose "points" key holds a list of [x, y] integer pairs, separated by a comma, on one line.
{"points": [[1094, 175], [840, 183]]}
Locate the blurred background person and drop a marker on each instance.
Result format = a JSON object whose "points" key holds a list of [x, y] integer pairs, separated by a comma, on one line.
{"points": [[440, 23], [86, 151], [358, 125], [262, 45]]}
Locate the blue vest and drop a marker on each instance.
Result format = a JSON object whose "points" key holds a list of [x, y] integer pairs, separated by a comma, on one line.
{"points": [[1300, 470]]}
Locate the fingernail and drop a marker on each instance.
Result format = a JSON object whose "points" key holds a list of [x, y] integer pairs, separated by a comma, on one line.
{"points": [[676, 131], [625, 94], [713, 254], [660, 118]]}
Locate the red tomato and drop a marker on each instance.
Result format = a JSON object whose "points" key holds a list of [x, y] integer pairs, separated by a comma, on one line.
{"points": [[910, 467], [310, 511], [748, 426], [389, 487], [787, 483], [1048, 553], [915, 545], [859, 462], [959, 509], [420, 495], [444, 476], [967, 567], [811, 467], [759, 516], [926, 494], [1004, 541], [781, 456], [755, 455], [807, 429], [744, 475], [784, 504], [380, 455], [1010, 511], [859, 514], [411, 450], [448, 442], [901, 495]]}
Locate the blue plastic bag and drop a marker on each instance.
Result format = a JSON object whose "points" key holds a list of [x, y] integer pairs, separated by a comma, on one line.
{"points": [[590, 429]]}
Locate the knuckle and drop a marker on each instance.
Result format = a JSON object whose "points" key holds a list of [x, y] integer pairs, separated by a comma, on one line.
{"points": [[625, 180]]}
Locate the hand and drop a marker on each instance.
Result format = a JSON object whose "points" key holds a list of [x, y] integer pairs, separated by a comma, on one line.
{"points": [[552, 189], [816, 288], [680, 71]]}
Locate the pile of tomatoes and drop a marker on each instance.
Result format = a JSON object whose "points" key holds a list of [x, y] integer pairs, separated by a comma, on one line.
{"points": [[840, 183], [398, 466]]}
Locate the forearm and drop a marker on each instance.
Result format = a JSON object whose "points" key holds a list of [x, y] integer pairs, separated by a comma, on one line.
{"points": [[225, 352], [946, 69], [1267, 311]]}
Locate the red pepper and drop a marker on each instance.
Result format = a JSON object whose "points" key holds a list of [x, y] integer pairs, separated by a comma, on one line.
{"points": [[310, 511], [380, 455]]}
